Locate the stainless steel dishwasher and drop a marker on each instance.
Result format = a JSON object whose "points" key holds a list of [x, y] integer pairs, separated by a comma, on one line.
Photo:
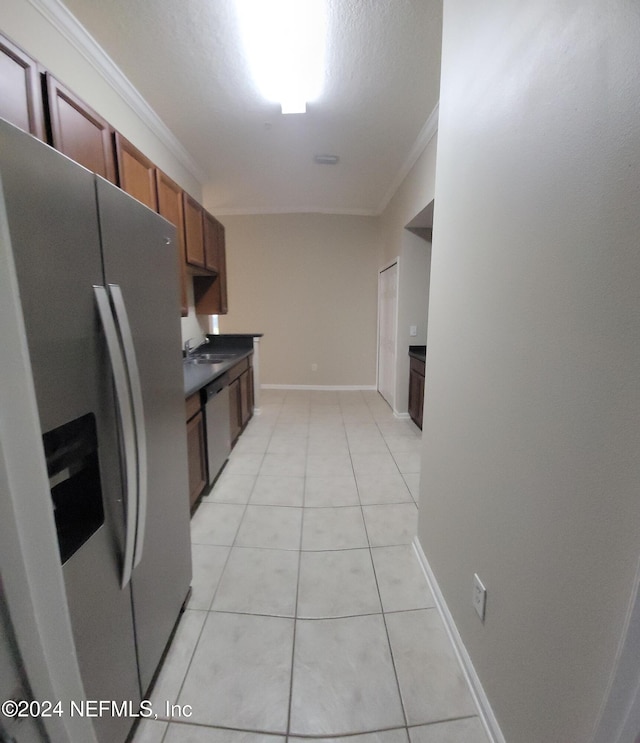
{"points": [[215, 399]]}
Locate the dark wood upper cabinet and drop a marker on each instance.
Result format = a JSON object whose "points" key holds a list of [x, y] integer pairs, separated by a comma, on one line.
{"points": [[210, 295], [136, 173], [210, 292], [78, 131], [20, 89], [35, 101], [193, 232], [170, 206], [211, 242], [222, 273]]}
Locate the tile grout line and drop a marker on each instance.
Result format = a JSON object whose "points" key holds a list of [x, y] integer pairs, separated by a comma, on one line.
{"points": [[386, 629], [235, 538], [375, 573], [295, 611]]}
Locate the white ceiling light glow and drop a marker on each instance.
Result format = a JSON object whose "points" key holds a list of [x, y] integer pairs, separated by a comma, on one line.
{"points": [[285, 45]]}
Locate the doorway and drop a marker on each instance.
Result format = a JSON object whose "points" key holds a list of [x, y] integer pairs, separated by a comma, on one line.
{"points": [[387, 322]]}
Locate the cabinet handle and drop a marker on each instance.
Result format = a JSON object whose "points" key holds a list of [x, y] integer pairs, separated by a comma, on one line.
{"points": [[125, 412], [133, 374]]}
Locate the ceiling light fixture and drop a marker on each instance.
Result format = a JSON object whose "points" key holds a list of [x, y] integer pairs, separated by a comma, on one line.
{"points": [[285, 45]]}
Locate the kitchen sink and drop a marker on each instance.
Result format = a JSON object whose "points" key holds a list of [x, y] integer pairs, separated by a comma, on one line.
{"points": [[215, 356], [210, 358]]}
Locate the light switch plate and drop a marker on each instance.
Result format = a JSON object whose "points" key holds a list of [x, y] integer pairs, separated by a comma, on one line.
{"points": [[413, 330]]}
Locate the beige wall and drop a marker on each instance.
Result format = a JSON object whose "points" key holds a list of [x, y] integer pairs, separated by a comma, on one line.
{"points": [[39, 36], [416, 191], [309, 283], [530, 466]]}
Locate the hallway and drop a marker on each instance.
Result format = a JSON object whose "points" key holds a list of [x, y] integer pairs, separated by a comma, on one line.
{"points": [[310, 614]]}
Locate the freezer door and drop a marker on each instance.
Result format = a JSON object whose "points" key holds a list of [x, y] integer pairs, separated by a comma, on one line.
{"points": [[53, 224], [140, 260]]}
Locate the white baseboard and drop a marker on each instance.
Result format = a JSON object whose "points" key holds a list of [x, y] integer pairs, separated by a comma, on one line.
{"points": [[401, 416], [318, 387], [477, 692]]}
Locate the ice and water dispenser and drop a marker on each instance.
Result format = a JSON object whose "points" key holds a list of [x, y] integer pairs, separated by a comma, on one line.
{"points": [[71, 452]]}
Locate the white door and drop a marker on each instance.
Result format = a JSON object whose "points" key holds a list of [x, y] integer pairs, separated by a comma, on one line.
{"points": [[387, 312]]}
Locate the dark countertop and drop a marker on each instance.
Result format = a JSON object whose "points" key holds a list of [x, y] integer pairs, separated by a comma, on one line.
{"points": [[224, 337], [197, 376], [418, 352]]}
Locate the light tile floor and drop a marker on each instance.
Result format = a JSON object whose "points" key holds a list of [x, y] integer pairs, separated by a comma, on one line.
{"points": [[310, 616]]}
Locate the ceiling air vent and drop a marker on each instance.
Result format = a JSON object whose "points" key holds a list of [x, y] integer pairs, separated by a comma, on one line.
{"points": [[326, 159]]}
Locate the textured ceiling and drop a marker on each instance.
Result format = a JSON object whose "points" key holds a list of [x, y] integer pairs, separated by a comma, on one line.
{"points": [[381, 84]]}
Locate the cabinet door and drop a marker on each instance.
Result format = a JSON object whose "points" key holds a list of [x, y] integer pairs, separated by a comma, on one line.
{"points": [[78, 131], [420, 401], [416, 397], [413, 396], [252, 400], [210, 292], [193, 232], [196, 454], [170, 206], [245, 398], [136, 173], [211, 249], [20, 90], [222, 272], [235, 409]]}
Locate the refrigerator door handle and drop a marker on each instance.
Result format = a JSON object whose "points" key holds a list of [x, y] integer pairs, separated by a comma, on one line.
{"points": [[127, 424], [138, 414]]}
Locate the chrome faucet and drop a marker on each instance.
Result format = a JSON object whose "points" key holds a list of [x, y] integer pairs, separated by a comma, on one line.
{"points": [[189, 349]]}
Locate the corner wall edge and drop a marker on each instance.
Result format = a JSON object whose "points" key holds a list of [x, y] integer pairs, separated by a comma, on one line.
{"points": [[485, 712]]}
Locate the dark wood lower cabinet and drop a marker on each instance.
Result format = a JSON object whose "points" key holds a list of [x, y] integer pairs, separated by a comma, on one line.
{"points": [[416, 391], [235, 414], [196, 450], [240, 397], [246, 406], [240, 412]]}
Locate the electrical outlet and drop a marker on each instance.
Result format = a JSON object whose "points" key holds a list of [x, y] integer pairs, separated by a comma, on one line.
{"points": [[413, 330], [314, 367], [479, 596]]}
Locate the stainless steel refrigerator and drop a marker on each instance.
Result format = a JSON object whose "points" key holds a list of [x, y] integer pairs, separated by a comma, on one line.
{"points": [[97, 275]]}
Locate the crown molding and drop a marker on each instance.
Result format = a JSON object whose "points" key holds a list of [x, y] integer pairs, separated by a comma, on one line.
{"points": [[75, 33], [426, 134]]}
